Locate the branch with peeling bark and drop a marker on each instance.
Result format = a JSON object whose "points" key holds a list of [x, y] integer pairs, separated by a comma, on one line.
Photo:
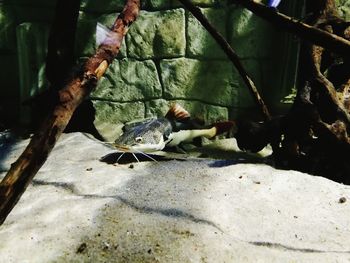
{"points": [[24, 169]]}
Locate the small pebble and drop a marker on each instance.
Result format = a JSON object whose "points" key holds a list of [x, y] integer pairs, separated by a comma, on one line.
{"points": [[89, 169], [131, 166], [82, 248], [105, 245], [342, 200]]}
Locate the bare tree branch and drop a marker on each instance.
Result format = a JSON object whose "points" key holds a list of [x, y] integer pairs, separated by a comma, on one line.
{"points": [[24, 169], [315, 35], [231, 54]]}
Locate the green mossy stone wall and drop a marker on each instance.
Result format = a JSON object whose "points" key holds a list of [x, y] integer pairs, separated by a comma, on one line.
{"points": [[344, 8], [129, 80], [157, 35], [167, 56]]}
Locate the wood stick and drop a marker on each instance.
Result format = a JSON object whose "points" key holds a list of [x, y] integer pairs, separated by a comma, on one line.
{"points": [[24, 169], [322, 38], [231, 54]]}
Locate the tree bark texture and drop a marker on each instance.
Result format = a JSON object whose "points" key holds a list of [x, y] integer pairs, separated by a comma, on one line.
{"points": [[24, 169]]}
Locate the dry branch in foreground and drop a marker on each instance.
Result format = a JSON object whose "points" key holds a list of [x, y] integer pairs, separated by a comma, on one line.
{"points": [[24, 169]]}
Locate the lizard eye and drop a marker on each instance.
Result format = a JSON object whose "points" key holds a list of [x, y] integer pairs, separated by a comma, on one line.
{"points": [[138, 139]]}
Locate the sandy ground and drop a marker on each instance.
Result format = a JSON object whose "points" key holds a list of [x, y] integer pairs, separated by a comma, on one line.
{"points": [[79, 209]]}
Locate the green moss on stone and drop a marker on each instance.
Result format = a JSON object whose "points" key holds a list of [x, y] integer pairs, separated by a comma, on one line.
{"points": [[344, 8], [200, 42], [157, 35], [111, 116], [208, 81], [157, 108], [252, 37], [207, 112], [129, 80], [114, 112]]}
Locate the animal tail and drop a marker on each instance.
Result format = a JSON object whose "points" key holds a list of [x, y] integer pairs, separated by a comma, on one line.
{"points": [[177, 112], [224, 126]]}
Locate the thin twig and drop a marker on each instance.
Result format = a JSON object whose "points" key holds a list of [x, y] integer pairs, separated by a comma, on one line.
{"points": [[231, 54]]}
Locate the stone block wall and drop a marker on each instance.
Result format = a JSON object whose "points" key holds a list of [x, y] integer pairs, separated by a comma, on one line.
{"points": [[167, 56]]}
